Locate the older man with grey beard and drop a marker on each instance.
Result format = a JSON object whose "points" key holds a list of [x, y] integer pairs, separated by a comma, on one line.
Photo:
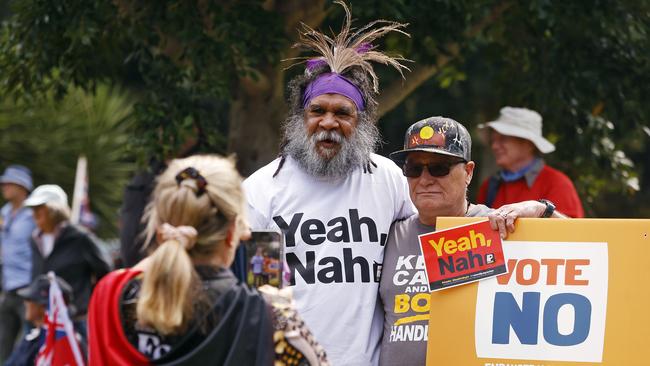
{"points": [[333, 198]]}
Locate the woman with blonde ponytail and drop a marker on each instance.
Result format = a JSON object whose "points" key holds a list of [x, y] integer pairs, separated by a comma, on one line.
{"points": [[182, 305]]}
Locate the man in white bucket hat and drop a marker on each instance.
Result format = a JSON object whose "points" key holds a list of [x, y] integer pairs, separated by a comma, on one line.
{"points": [[517, 143]]}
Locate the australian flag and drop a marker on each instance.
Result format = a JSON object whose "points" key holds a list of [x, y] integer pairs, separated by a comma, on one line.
{"points": [[61, 347]]}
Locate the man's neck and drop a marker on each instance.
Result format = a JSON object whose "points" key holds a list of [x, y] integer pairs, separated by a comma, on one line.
{"points": [[430, 219], [521, 164], [17, 203]]}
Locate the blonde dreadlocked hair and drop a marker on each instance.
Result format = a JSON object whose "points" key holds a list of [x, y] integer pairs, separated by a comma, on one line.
{"points": [[350, 54], [352, 47]]}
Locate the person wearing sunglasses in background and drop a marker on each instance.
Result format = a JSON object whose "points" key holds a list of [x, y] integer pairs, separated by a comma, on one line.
{"points": [[437, 163]]}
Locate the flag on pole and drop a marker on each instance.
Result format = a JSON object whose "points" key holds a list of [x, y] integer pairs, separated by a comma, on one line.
{"points": [[61, 347], [81, 213]]}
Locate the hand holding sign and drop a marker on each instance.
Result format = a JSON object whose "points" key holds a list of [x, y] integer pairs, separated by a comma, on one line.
{"points": [[503, 219], [573, 294]]}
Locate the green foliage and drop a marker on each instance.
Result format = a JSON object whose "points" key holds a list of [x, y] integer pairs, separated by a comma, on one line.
{"points": [[49, 137], [182, 58], [582, 64]]}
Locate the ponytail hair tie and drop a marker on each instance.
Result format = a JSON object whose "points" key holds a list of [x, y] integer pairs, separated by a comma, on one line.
{"points": [[185, 235], [191, 173]]}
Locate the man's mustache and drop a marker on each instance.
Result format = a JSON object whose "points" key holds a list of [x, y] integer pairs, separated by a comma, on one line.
{"points": [[328, 135]]}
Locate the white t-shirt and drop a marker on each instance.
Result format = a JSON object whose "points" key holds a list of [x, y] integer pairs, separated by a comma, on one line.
{"points": [[335, 231], [47, 240]]}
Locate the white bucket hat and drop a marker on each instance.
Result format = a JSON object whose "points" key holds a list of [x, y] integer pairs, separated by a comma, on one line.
{"points": [[50, 194], [520, 122]]}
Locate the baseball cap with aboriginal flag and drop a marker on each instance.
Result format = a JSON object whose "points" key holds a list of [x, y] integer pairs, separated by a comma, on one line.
{"points": [[437, 135]]}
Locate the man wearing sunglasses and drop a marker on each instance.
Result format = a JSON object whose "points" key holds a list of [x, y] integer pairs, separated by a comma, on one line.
{"points": [[437, 163]]}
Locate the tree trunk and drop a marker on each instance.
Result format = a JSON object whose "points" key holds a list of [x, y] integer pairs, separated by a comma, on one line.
{"points": [[255, 121], [257, 113]]}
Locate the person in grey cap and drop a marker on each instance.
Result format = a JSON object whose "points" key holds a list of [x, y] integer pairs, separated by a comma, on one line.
{"points": [[517, 143], [438, 166], [17, 226]]}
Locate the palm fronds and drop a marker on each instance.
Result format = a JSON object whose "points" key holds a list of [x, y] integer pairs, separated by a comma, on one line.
{"points": [[48, 137]]}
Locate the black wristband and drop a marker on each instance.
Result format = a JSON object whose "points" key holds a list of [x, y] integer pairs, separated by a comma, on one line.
{"points": [[550, 208]]}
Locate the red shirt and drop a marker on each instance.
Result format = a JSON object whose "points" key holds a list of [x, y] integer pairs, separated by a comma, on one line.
{"points": [[550, 184]]}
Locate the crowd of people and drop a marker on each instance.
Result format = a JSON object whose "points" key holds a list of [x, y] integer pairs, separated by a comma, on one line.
{"points": [[350, 218], [37, 238]]}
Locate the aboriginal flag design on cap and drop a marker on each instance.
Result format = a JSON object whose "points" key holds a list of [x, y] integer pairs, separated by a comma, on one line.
{"points": [[437, 135]]}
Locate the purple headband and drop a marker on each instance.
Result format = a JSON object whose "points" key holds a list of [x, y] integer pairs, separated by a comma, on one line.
{"points": [[333, 83]]}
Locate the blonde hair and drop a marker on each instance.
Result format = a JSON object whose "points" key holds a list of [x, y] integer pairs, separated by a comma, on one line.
{"points": [[170, 282], [57, 213]]}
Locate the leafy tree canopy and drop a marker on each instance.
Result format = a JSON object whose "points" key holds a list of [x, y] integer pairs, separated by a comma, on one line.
{"points": [[212, 71]]}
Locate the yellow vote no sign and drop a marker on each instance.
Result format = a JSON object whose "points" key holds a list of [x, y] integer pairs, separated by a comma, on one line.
{"points": [[576, 293]]}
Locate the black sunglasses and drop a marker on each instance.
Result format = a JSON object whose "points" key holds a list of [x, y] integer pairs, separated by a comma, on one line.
{"points": [[414, 170]]}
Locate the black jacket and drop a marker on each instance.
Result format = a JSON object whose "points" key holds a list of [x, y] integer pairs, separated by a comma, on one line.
{"points": [[77, 259], [136, 197], [238, 329]]}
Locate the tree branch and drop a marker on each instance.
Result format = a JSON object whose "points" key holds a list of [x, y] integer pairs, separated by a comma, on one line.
{"points": [[399, 89], [495, 14], [296, 12], [395, 93]]}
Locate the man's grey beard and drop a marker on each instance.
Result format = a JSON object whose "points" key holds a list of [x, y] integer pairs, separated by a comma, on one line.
{"points": [[352, 153]]}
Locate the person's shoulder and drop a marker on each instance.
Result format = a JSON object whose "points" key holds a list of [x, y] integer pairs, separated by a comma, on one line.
{"points": [[405, 224], [486, 181], [403, 235], [77, 232], [384, 162], [27, 213], [118, 277], [259, 186], [478, 210], [121, 273], [244, 295], [5, 208], [71, 231], [386, 167], [552, 173], [264, 173]]}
